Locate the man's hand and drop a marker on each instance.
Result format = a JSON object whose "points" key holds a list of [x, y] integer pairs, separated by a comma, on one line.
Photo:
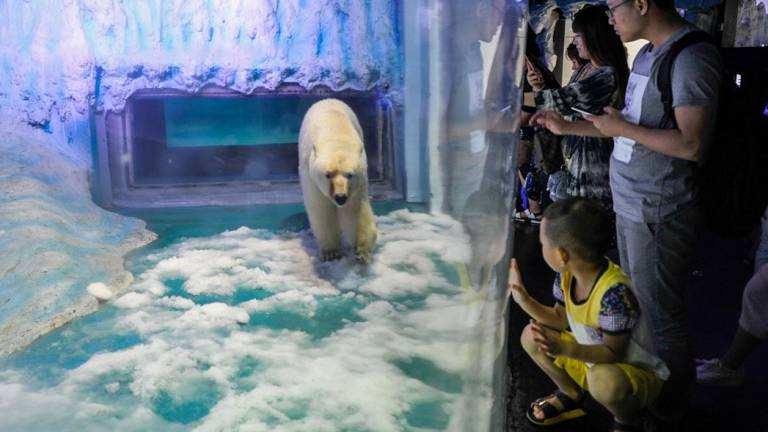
{"points": [[515, 283], [547, 340], [550, 120], [609, 124]]}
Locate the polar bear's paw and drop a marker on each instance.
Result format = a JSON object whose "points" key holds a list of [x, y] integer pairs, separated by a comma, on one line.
{"points": [[330, 255], [364, 255]]}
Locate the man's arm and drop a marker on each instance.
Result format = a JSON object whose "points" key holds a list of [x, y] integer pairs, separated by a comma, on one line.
{"points": [[695, 85], [684, 142]]}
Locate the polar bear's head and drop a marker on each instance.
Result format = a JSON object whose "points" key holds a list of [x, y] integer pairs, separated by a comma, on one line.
{"points": [[341, 175]]}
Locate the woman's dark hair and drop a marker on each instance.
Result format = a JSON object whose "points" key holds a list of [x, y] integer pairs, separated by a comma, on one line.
{"points": [[573, 54], [531, 46], [602, 42], [579, 225], [533, 53]]}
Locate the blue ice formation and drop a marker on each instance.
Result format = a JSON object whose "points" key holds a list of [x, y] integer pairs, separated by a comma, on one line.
{"points": [[58, 58], [55, 240]]}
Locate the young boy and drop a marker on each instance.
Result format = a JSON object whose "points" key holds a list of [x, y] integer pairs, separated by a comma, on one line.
{"points": [[609, 348]]}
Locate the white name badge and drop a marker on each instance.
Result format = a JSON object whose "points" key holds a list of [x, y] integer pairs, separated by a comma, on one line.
{"points": [[622, 149], [475, 87], [633, 108], [477, 141]]}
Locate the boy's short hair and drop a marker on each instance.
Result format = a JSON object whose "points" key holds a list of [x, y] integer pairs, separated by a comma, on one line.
{"points": [[579, 225]]}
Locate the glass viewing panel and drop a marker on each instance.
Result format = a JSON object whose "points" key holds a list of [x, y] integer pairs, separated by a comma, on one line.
{"points": [[182, 140]]}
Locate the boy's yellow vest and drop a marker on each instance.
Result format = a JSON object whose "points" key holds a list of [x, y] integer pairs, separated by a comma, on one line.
{"points": [[588, 312], [584, 320]]}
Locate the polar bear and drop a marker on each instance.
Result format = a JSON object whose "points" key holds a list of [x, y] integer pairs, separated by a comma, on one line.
{"points": [[333, 170]]}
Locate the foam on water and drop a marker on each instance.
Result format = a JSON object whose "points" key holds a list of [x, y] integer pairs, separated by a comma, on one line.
{"points": [[246, 330]]}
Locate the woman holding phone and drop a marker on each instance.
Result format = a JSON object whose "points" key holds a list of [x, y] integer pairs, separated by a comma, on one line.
{"points": [[600, 82]]}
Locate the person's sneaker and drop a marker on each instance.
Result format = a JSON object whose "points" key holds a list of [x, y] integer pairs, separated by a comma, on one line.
{"points": [[712, 372], [528, 215]]}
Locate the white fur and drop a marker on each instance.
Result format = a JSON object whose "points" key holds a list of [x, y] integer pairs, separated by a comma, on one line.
{"points": [[331, 143]]}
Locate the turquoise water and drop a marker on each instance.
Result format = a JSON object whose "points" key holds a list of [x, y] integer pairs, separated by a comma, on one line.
{"points": [[232, 324], [196, 122]]}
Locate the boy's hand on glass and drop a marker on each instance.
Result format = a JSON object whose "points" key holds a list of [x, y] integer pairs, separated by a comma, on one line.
{"points": [[515, 286], [547, 340]]}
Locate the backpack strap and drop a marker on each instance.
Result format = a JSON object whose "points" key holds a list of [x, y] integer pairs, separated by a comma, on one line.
{"points": [[664, 75]]}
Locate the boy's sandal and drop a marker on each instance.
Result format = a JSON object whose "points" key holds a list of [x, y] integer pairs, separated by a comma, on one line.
{"points": [[624, 427], [572, 409]]}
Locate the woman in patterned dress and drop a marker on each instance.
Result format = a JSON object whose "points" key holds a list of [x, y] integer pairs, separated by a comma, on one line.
{"points": [[599, 83]]}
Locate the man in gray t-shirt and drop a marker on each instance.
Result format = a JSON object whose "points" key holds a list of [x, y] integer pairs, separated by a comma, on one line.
{"points": [[651, 175], [650, 185]]}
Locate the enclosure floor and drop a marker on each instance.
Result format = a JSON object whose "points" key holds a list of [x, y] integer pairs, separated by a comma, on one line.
{"points": [[720, 270], [232, 323]]}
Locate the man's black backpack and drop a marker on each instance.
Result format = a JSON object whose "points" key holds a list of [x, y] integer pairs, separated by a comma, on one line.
{"points": [[733, 175]]}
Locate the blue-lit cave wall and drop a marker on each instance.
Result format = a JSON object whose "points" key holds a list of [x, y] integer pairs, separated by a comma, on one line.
{"points": [[60, 58]]}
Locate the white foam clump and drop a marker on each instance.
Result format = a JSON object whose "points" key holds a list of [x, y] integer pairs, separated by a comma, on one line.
{"points": [[219, 311], [132, 300], [377, 309], [176, 302], [100, 290], [404, 264], [294, 300], [241, 258]]}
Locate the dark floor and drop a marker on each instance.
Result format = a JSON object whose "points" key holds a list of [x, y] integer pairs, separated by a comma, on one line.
{"points": [[720, 269]]}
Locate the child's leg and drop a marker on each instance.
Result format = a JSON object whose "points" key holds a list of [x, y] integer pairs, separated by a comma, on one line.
{"points": [[557, 374], [609, 385]]}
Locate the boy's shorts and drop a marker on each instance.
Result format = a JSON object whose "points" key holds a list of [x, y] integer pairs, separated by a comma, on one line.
{"points": [[646, 385]]}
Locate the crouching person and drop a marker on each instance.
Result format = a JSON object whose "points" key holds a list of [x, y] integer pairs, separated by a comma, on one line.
{"points": [[608, 349]]}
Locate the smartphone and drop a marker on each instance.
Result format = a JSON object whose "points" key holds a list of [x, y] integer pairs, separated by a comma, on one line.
{"points": [[529, 64], [581, 111]]}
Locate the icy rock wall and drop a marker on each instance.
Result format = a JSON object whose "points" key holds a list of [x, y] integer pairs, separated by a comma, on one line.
{"points": [[752, 24], [59, 56], [55, 240]]}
